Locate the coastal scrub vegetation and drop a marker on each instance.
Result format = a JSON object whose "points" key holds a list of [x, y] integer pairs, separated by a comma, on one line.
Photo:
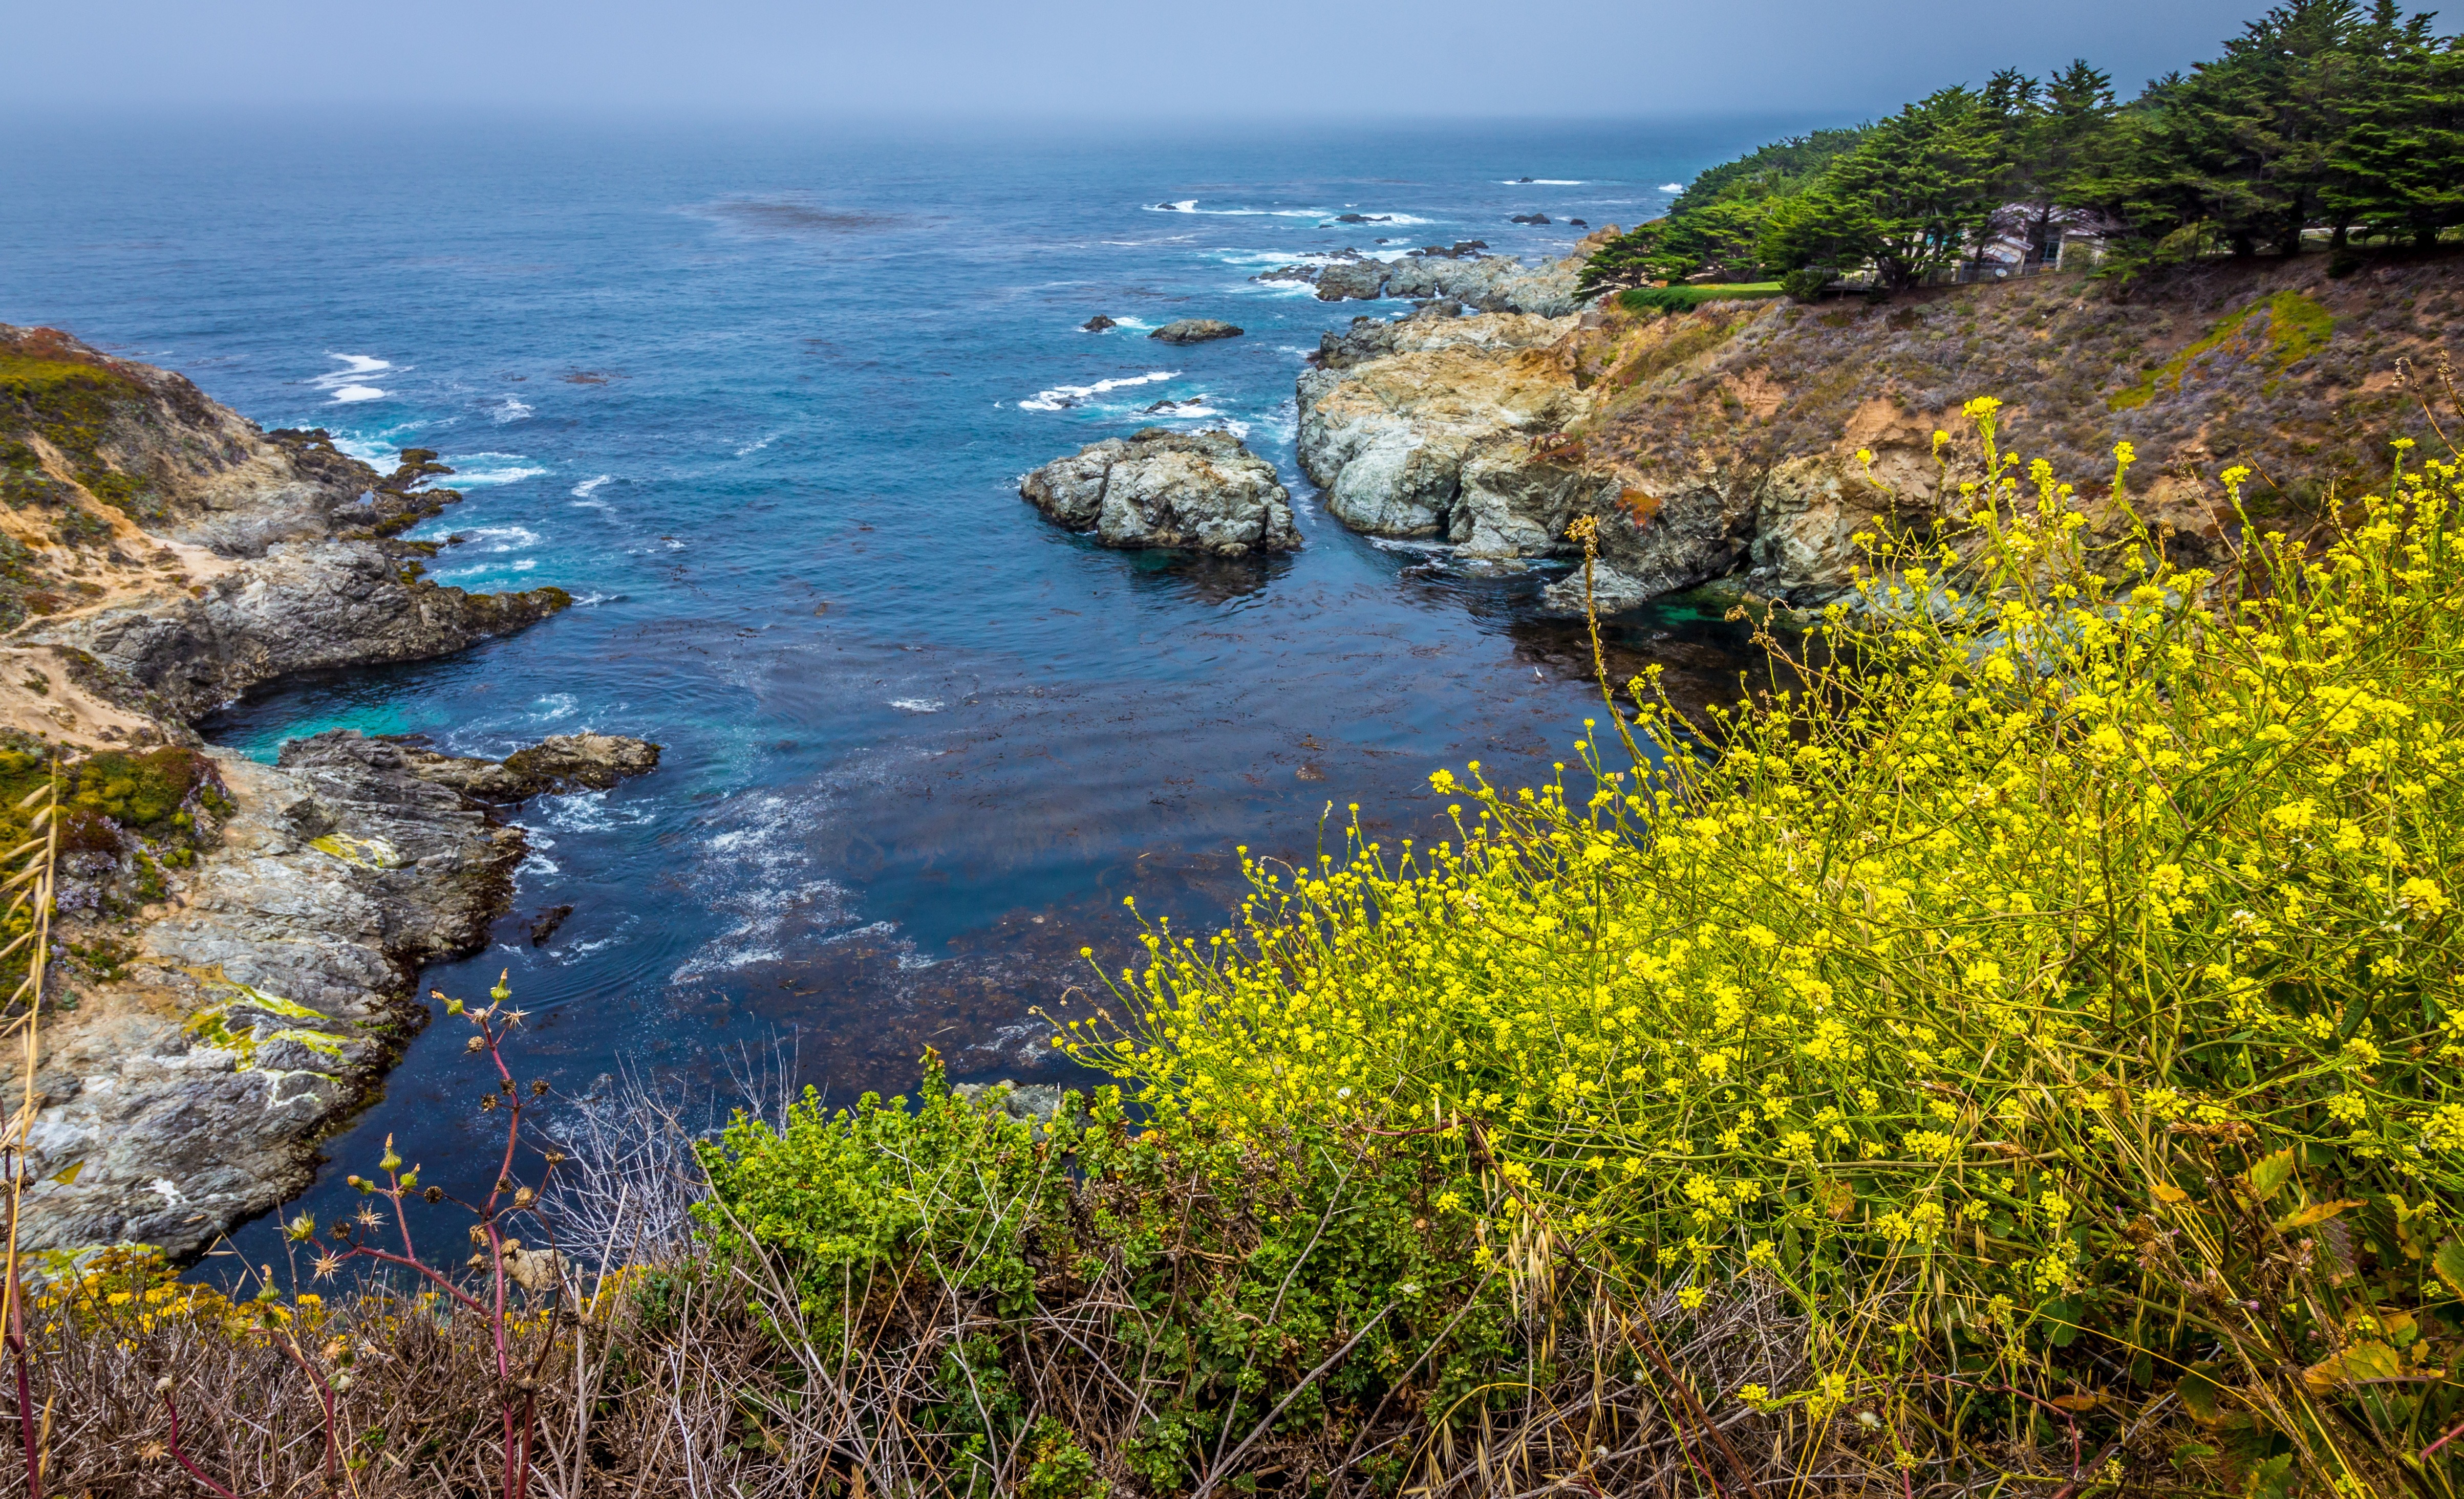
{"points": [[2013, 1052], [2323, 117]]}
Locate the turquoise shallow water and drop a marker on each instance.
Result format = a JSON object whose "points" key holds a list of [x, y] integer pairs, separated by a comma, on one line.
{"points": [[761, 399]]}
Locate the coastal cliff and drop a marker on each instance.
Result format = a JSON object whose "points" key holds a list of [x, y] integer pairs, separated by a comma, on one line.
{"points": [[1724, 440], [235, 945]]}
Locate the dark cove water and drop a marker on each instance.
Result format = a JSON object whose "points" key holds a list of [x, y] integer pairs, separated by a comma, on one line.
{"points": [[761, 400]]}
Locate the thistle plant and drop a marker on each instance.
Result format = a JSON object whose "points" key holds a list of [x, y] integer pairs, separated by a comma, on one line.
{"points": [[517, 1291]]}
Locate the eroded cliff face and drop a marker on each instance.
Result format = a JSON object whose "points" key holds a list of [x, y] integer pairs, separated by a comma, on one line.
{"points": [[196, 557], [1441, 427], [235, 945], [1724, 439]]}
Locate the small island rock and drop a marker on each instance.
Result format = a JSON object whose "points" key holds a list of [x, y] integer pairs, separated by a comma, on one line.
{"points": [[1097, 324], [1195, 330], [1197, 491]]}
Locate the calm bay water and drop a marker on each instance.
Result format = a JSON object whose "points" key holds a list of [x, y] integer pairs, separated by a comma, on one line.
{"points": [[760, 398]]}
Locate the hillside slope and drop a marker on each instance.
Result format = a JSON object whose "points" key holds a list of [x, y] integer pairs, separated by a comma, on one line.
{"points": [[1724, 438]]}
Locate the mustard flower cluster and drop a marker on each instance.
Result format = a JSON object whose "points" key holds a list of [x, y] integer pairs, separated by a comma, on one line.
{"points": [[2041, 862]]}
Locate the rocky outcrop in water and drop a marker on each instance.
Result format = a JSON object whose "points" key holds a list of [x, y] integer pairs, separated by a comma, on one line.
{"points": [[1198, 492], [1195, 330], [558, 763]]}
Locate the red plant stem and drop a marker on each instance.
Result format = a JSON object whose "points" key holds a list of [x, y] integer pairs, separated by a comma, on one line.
{"points": [[2457, 1431], [449, 1289], [194, 1472]]}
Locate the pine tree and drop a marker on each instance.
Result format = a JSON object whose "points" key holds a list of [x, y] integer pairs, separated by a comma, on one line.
{"points": [[1909, 200]]}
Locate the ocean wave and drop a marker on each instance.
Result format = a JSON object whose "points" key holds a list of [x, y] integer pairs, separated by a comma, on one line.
{"points": [[750, 449], [582, 493], [1372, 221], [478, 471], [1061, 397], [588, 811], [1190, 205], [346, 386], [756, 874], [499, 539], [510, 409], [1542, 182], [381, 448], [918, 704], [1672, 186], [554, 706]]}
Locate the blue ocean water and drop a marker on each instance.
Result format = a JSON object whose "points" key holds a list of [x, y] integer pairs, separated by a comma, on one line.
{"points": [[760, 398]]}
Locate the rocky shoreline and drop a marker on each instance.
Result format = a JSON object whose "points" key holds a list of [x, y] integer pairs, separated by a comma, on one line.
{"points": [[1724, 441], [237, 945]]}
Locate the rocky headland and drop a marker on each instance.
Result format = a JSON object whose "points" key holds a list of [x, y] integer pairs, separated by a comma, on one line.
{"points": [[236, 944], [1195, 491], [1722, 441]]}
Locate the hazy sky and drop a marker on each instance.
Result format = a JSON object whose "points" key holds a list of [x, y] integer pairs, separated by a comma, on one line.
{"points": [[1154, 59]]}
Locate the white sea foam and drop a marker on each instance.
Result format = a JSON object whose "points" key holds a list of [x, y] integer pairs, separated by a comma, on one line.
{"points": [[554, 706], [346, 386], [1542, 182], [510, 409], [1061, 397], [757, 874], [750, 449], [478, 470], [590, 486], [499, 539], [918, 704], [588, 811], [1377, 221], [1190, 205], [378, 449], [1672, 186]]}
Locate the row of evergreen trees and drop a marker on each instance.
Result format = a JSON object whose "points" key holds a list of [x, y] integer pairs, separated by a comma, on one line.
{"points": [[2321, 114]]}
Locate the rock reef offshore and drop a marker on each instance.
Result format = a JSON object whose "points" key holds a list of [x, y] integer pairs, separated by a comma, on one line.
{"points": [[236, 944]]}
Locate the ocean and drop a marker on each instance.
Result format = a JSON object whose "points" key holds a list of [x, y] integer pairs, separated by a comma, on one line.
{"points": [[760, 396]]}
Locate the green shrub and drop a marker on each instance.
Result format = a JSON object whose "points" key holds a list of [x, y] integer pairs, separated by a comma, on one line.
{"points": [[1214, 1272], [1687, 299]]}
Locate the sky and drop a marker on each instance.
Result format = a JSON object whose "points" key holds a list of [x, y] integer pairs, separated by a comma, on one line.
{"points": [[1095, 59]]}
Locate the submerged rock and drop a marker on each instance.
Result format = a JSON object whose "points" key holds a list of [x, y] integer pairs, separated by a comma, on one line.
{"points": [[1195, 330], [558, 763], [1097, 324], [1198, 492]]}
